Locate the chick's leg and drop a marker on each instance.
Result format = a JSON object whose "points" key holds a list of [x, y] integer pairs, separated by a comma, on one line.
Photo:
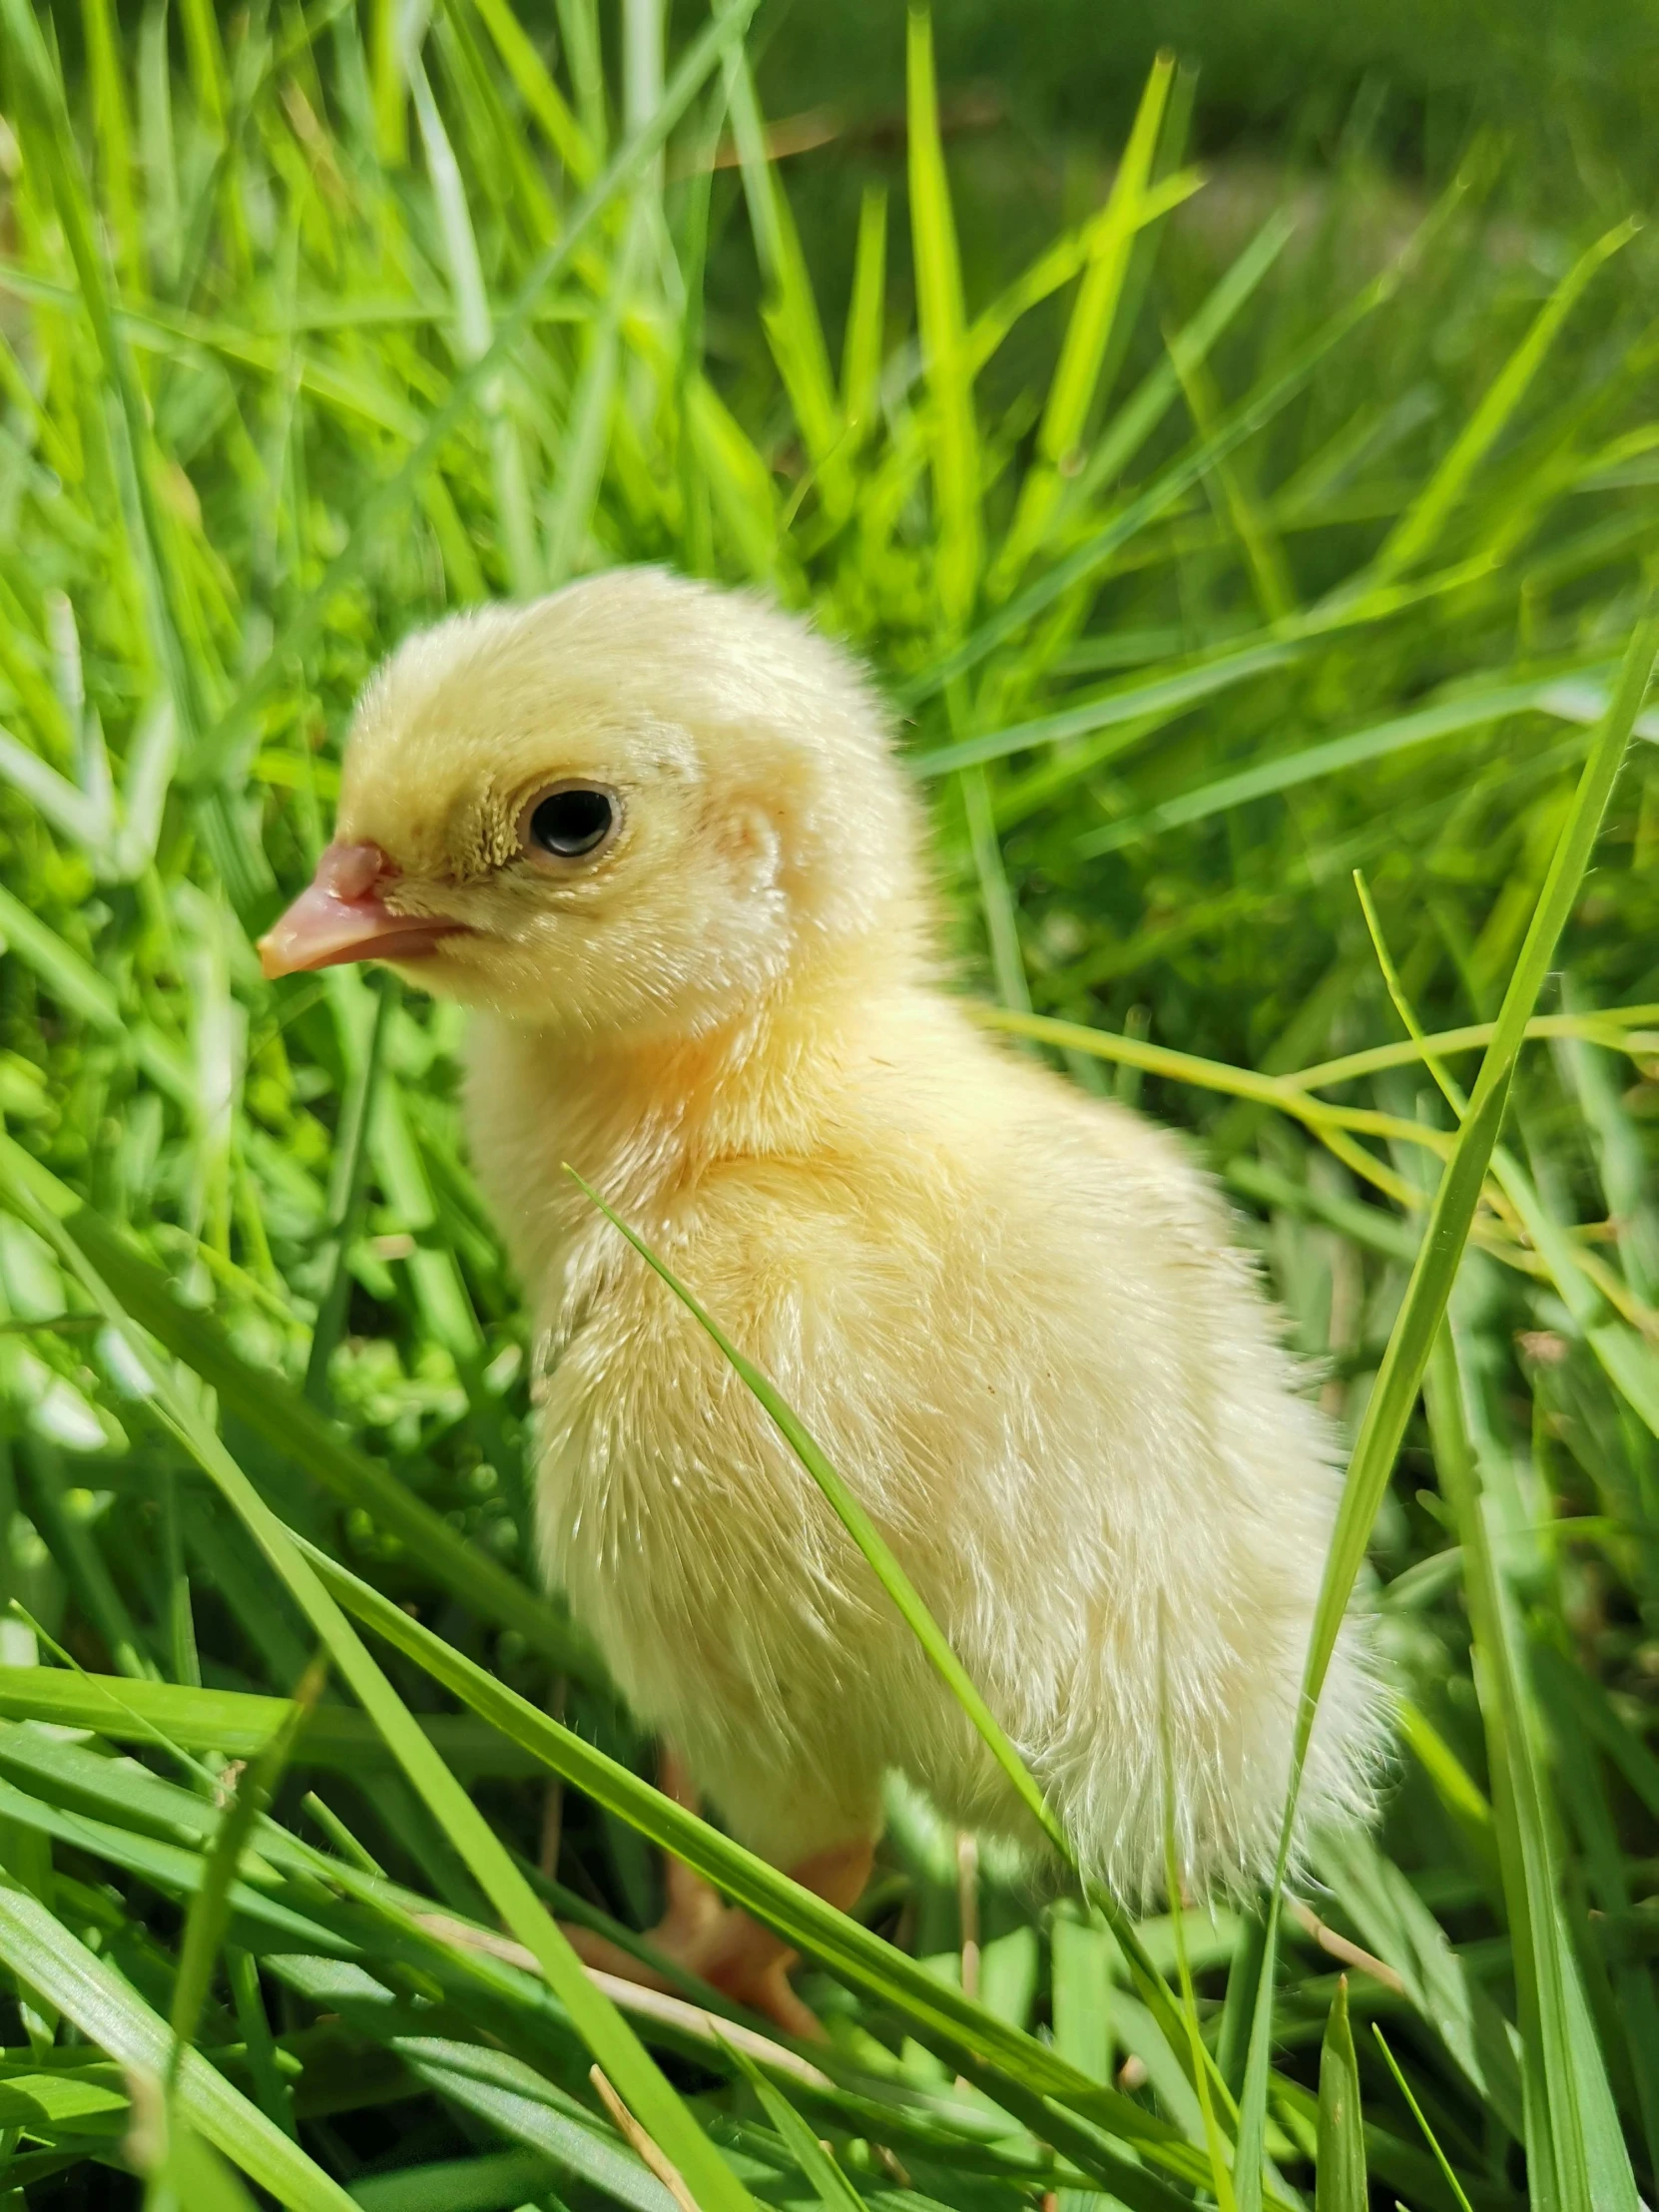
{"points": [[719, 1944]]}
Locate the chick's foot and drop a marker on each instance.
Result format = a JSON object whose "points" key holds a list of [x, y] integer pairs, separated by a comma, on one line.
{"points": [[723, 1945]]}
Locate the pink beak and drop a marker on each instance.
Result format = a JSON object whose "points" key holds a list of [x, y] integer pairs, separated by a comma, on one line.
{"points": [[340, 917]]}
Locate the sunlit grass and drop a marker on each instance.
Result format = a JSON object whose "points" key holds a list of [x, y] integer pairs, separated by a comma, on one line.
{"points": [[313, 324]]}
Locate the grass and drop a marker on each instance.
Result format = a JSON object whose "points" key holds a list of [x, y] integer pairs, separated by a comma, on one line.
{"points": [[1206, 585]]}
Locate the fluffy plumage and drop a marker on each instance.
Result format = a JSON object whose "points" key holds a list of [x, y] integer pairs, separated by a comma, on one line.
{"points": [[1011, 1314]]}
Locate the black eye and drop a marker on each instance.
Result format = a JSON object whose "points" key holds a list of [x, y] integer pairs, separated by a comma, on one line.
{"points": [[569, 822]]}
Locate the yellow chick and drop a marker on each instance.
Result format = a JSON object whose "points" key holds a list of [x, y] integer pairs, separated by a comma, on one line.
{"points": [[655, 836]]}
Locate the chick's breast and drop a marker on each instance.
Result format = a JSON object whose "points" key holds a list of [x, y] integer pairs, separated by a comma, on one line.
{"points": [[1013, 1319]]}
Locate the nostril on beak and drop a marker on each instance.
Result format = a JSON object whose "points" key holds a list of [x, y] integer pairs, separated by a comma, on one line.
{"points": [[353, 871]]}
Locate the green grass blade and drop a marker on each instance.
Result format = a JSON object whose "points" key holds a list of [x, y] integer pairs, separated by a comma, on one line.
{"points": [[1562, 2055], [579, 29], [1423, 520], [1091, 331], [1628, 1361], [1058, 264], [967, 2031], [1186, 351], [831, 2186], [1089, 335], [538, 91], [789, 311], [794, 332], [494, 2182], [1221, 2180], [210, 79], [955, 443], [1159, 695], [1440, 2159], [1290, 771], [1585, 1798], [70, 811], [210, 1913], [1263, 551], [1398, 1928], [346, 1195], [391, 118], [474, 335], [1341, 2159], [995, 899], [199, 2177], [84, 1568], [866, 317], [588, 428], [238, 1723], [112, 130]]}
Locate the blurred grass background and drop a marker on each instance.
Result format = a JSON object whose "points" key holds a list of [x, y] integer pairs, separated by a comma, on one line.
{"points": [[1284, 93], [1572, 84], [1241, 469]]}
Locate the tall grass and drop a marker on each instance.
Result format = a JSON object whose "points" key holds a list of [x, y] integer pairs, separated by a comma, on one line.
{"points": [[1204, 584]]}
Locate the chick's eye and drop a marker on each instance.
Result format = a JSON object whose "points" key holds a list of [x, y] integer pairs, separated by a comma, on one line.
{"points": [[569, 822]]}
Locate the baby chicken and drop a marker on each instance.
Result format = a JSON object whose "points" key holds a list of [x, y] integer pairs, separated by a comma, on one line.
{"points": [[655, 836]]}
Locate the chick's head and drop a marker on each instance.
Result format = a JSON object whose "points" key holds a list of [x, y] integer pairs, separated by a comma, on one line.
{"points": [[640, 803]]}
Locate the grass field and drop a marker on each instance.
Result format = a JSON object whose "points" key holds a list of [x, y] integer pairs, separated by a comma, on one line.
{"points": [[1269, 600]]}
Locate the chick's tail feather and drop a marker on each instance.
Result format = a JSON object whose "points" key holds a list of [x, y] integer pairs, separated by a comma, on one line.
{"points": [[1220, 1774]]}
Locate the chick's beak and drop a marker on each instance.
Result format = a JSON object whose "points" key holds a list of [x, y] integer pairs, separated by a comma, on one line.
{"points": [[340, 916]]}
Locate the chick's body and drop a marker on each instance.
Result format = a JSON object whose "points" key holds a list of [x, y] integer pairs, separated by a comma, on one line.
{"points": [[1011, 1315]]}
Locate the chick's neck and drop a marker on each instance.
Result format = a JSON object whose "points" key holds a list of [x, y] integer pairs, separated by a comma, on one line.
{"points": [[644, 1115]]}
